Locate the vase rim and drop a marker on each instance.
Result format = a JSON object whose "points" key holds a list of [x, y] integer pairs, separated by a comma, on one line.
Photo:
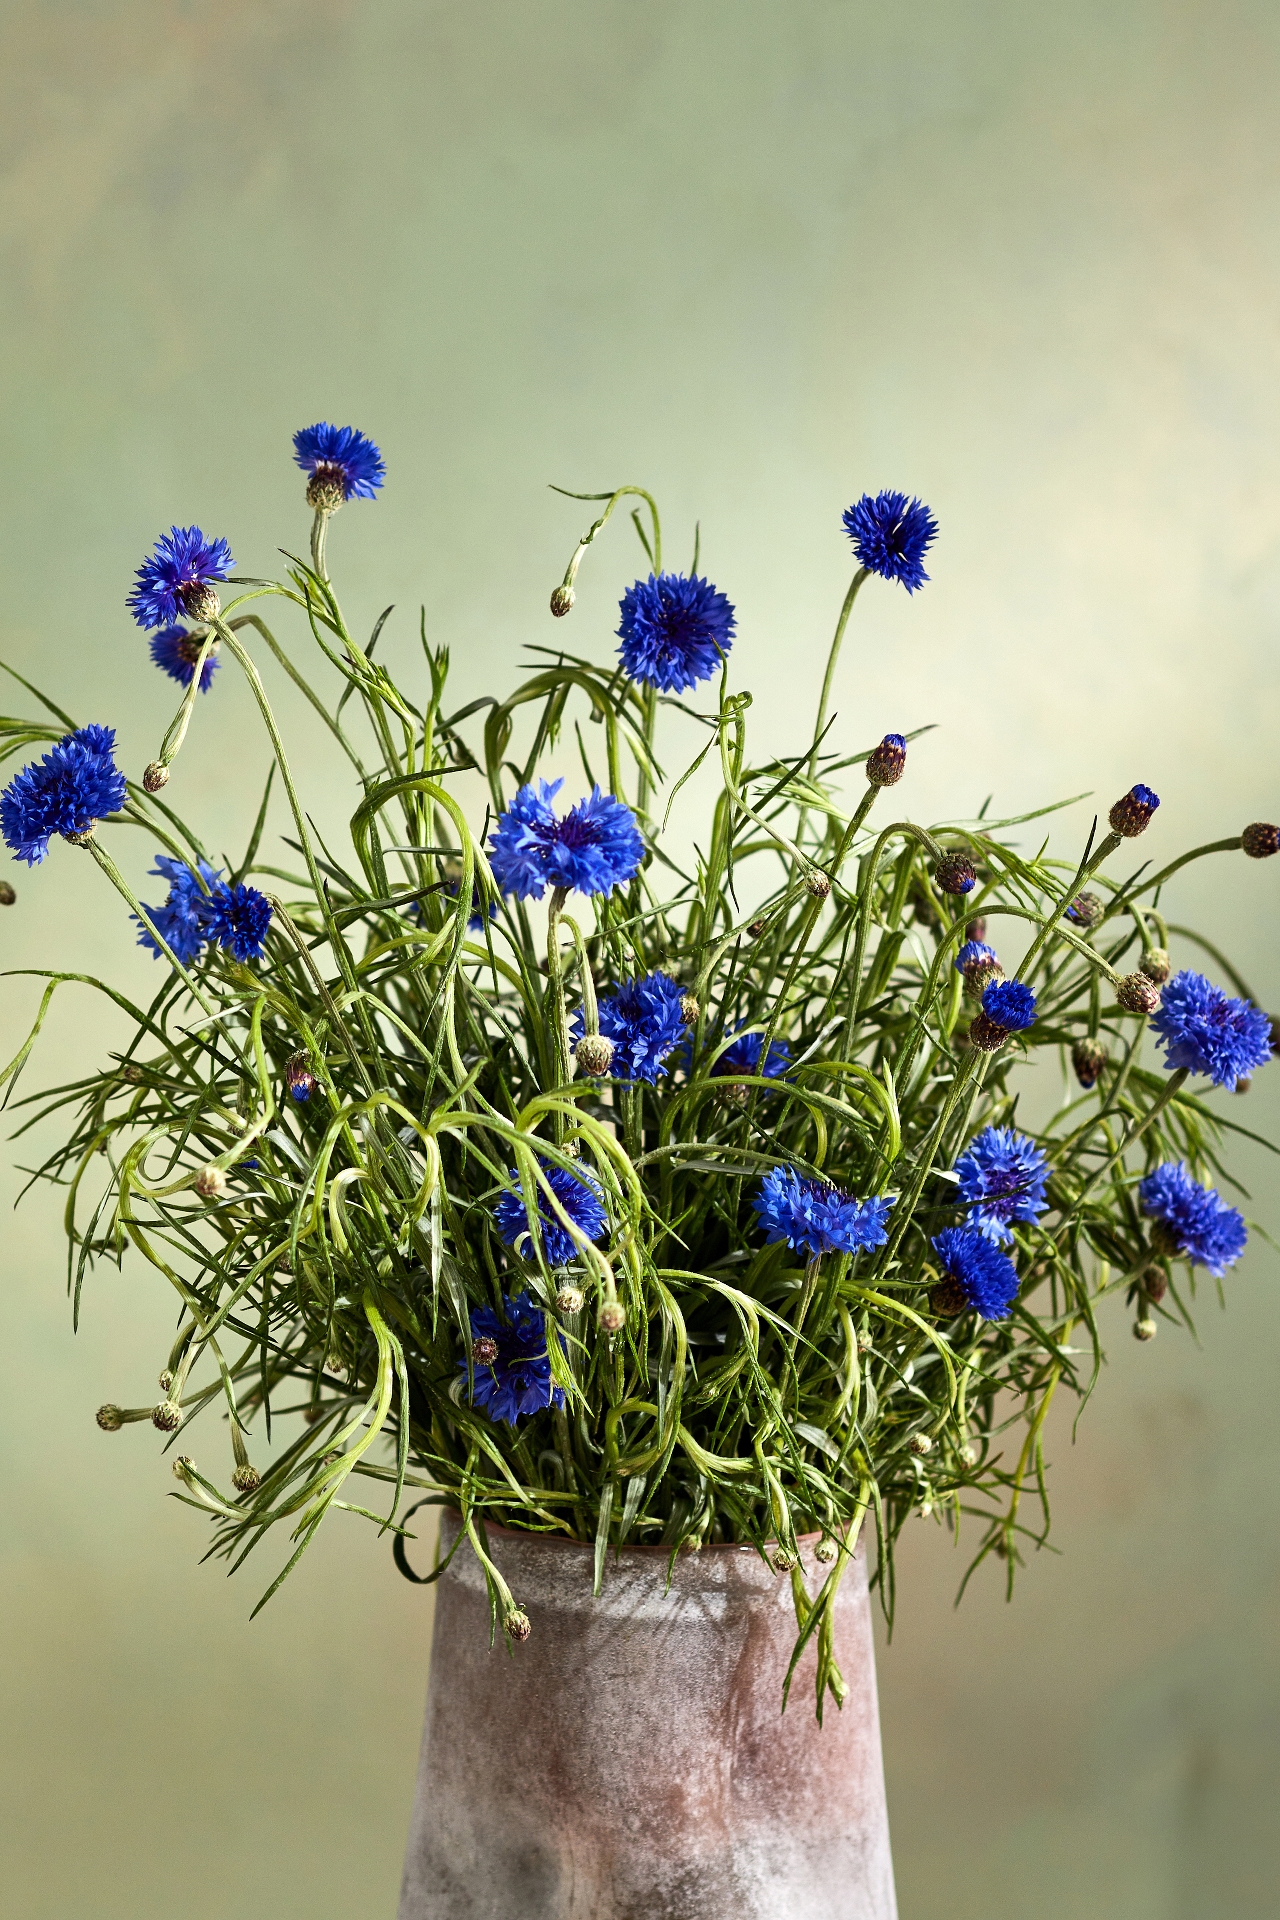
{"points": [[639, 1546]]}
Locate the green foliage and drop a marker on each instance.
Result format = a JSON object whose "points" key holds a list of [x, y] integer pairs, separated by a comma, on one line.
{"points": [[747, 1397]]}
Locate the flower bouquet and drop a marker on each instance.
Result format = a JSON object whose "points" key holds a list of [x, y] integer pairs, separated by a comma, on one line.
{"points": [[522, 1157]]}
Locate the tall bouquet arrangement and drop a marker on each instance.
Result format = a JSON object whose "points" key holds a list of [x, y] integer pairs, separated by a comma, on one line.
{"points": [[596, 1187]]}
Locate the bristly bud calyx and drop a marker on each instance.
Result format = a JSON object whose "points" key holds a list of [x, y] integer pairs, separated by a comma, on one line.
{"points": [[517, 1624], [167, 1417], [1156, 964], [1260, 840], [211, 1183], [1088, 1057], [689, 1009], [1131, 814], [561, 601], [886, 762], [594, 1054], [612, 1317], [155, 776], [109, 1417], [955, 873], [569, 1300], [1136, 993]]}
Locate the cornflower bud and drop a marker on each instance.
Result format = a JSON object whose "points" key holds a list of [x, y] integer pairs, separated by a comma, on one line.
{"points": [[756, 928], [211, 1183], [920, 1444], [569, 1300], [298, 1077], [689, 1009], [1131, 814], [818, 884], [109, 1418], [484, 1350], [167, 1416], [967, 1455], [165, 1381], [517, 1624], [1144, 1329], [561, 601], [594, 1054], [886, 762], [979, 974], [612, 1317], [826, 1550], [182, 1466], [1137, 994], [246, 1479], [1088, 1057], [1155, 1284], [155, 775], [1156, 964], [1260, 840], [955, 873], [1086, 910], [782, 1561]]}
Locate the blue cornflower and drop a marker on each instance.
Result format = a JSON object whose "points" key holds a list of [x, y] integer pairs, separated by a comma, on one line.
{"points": [[184, 918], [742, 1055], [971, 952], [579, 1195], [891, 536], [1008, 1004], [1003, 1176], [643, 1018], [516, 1380], [819, 1217], [594, 848], [986, 1277], [176, 651], [1206, 1031], [1198, 1226], [674, 631], [340, 460], [176, 582], [239, 917], [67, 791]]}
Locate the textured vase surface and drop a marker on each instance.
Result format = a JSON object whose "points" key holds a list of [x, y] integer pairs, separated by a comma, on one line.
{"points": [[630, 1760]]}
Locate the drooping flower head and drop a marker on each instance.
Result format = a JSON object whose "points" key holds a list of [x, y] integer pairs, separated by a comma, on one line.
{"points": [[1086, 910], [67, 791], [183, 920], [176, 650], [239, 917], [594, 848], [298, 1077], [675, 631], [1193, 1222], [814, 1216], [646, 1023], [579, 1195], [1206, 1031], [343, 465], [743, 1055], [517, 1379], [176, 582], [983, 1277], [891, 536], [1003, 1177], [1010, 1005]]}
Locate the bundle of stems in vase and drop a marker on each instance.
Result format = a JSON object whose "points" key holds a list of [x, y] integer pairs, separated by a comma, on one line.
{"points": [[597, 1183]]}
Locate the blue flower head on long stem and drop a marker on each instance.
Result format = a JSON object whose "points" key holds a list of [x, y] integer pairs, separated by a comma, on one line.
{"points": [[983, 1278], [176, 650], [176, 581], [1192, 1222], [342, 463], [816, 1217], [1204, 1030], [594, 848], [67, 791], [183, 920], [578, 1193], [511, 1368], [1003, 1176], [675, 631], [645, 1021], [891, 536]]}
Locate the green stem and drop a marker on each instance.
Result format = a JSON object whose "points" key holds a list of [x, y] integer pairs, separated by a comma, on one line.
{"points": [[832, 658]]}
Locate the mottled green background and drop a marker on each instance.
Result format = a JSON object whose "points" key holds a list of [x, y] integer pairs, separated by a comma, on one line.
{"points": [[1020, 257]]}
